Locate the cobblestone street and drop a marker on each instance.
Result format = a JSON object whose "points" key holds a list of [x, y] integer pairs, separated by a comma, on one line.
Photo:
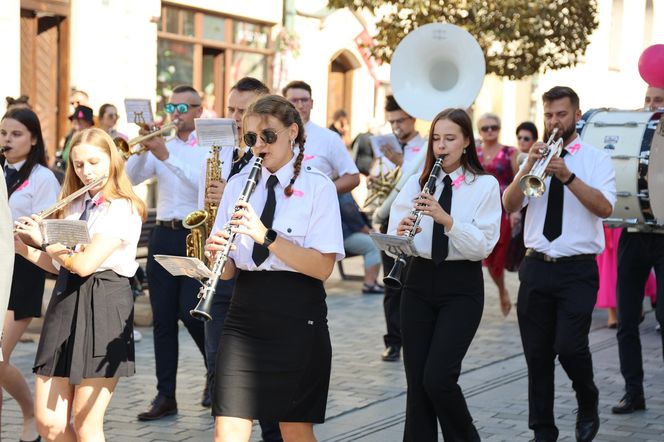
{"points": [[367, 396]]}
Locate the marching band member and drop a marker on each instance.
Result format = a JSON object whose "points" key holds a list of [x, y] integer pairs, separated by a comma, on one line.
{"points": [[559, 280], [86, 342], [275, 363], [233, 160], [32, 187], [403, 126], [176, 164], [443, 292], [638, 253]]}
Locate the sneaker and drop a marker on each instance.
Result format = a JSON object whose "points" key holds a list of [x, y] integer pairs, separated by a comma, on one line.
{"points": [[372, 289], [137, 335]]}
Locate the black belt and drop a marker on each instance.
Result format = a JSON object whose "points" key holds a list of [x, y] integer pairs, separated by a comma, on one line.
{"points": [[174, 224], [546, 258]]}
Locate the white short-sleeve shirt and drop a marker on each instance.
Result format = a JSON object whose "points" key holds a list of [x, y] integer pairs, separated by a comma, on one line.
{"points": [[309, 218], [476, 211], [117, 219], [325, 150], [40, 191]]}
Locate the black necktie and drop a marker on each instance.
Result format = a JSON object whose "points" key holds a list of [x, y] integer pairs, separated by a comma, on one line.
{"points": [[11, 176], [553, 221], [238, 164], [439, 241], [63, 275], [260, 253]]}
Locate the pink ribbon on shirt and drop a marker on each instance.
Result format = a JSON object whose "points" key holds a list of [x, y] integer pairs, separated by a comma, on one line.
{"points": [[574, 148], [459, 179], [193, 142], [99, 200], [298, 193], [23, 186], [415, 149], [308, 157]]}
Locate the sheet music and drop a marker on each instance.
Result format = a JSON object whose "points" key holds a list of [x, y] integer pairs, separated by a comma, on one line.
{"points": [[379, 140], [67, 232], [220, 132], [184, 266], [139, 110], [394, 245]]}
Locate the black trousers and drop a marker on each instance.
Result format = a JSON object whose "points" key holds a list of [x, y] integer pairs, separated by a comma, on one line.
{"points": [[637, 254], [391, 305], [441, 309], [554, 309], [171, 298]]}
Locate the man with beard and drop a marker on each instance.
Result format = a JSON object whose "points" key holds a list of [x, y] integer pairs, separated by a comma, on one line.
{"points": [[559, 278]]}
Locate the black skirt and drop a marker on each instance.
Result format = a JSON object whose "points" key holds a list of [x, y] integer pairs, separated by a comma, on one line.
{"points": [[275, 355], [88, 329], [25, 299]]}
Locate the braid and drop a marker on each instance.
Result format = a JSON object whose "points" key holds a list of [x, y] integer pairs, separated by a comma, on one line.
{"points": [[288, 191]]}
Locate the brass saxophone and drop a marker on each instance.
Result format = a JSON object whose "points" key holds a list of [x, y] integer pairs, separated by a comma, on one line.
{"points": [[200, 222]]}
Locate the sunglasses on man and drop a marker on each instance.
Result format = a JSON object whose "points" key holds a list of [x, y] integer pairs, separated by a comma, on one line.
{"points": [[525, 138], [269, 136], [493, 127], [182, 108]]}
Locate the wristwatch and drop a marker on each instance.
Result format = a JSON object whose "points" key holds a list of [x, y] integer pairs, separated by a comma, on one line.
{"points": [[43, 246], [270, 237]]}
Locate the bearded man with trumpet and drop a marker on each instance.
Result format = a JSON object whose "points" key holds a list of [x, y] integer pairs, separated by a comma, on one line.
{"points": [[559, 278], [176, 163]]}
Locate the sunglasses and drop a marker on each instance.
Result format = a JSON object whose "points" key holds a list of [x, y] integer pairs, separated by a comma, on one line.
{"points": [[269, 136], [182, 108], [524, 138], [493, 127]]}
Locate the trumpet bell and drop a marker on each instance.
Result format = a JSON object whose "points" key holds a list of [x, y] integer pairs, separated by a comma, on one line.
{"points": [[436, 66], [532, 186]]}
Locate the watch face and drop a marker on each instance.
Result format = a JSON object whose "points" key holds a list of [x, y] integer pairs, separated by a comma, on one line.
{"points": [[270, 236]]}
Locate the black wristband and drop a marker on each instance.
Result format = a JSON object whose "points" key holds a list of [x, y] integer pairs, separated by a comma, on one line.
{"points": [[43, 246], [570, 179]]}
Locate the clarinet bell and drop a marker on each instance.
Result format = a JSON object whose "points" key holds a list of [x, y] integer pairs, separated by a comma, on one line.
{"points": [[202, 309], [393, 279]]}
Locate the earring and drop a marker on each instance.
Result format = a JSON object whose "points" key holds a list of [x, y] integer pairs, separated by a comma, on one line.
{"points": [[464, 150], [292, 143]]}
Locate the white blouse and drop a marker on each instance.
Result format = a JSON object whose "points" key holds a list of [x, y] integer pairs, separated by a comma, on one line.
{"points": [[117, 219], [309, 218], [476, 211], [40, 191]]}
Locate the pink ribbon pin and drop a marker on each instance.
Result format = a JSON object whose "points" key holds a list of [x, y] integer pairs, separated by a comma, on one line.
{"points": [[99, 200], [298, 193], [416, 149], [308, 157], [459, 179], [574, 148], [23, 186], [193, 142]]}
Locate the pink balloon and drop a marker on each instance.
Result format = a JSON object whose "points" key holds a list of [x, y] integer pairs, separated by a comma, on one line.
{"points": [[651, 65]]}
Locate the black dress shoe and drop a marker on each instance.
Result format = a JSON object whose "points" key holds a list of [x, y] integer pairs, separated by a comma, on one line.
{"points": [[35, 440], [206, 401], [391, 353], [586, 429], [161, 406], [629, 404]]}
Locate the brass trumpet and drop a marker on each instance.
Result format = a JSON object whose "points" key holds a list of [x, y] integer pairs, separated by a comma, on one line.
{"points": [[125, 147], [532, 184]]}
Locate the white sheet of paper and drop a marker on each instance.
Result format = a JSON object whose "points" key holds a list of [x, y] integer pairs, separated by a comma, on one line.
{"points": [[68, 232], [393, 245], [139, 110], [379, 140], [184, 266], [220, 132]]}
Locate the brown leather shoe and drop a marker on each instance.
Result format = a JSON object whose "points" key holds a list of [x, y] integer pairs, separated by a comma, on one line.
{"points": [[161, 406]]}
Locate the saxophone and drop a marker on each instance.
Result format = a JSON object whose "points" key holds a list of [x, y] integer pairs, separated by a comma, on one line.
{"points": [[200, 222]]}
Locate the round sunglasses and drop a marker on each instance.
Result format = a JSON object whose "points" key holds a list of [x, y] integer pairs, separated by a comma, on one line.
{"points": [[182, 108], [269, 136]]}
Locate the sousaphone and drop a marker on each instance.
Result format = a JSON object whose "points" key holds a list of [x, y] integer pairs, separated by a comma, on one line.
{"points": [[436, 66]]}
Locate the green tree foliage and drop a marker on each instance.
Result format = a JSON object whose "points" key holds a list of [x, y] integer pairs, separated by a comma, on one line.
{"points": [[519, 38]]}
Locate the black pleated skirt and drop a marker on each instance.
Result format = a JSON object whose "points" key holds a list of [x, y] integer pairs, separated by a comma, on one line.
{"points": [[28, 281], [88, 329], [275, 355]]}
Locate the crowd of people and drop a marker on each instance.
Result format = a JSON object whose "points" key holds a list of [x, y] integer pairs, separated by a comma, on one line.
{"points": [[267, 349]]}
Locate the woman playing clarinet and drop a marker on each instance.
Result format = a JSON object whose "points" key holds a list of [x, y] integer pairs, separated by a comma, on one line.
{"points": [[443, 292], [275, 354]]}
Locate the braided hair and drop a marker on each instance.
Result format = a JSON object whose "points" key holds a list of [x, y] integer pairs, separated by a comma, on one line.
{"points": [[281, 109]]}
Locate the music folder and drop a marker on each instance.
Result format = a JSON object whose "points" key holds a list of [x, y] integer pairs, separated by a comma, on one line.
{"points": [[67, 232], [184, 266], [394, 245]]}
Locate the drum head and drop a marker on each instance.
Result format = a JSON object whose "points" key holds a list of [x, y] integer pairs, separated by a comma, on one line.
{"points": [[656, 173]]}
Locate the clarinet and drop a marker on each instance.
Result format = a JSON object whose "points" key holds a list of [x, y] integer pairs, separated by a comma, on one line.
{"points": [[207, 291], [393, 279]]}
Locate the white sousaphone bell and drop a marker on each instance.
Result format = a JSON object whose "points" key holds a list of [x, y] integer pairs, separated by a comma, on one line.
{"points": [[437, 66]]}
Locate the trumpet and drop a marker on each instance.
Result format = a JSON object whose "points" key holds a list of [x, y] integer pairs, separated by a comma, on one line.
{"points": [[532, 184], [207, 291], [393, 279], [381, 186], [125, 147], [67, 200]]}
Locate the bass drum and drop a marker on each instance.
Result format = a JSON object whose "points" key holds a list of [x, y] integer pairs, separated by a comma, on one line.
{"points": [[628, 137]]}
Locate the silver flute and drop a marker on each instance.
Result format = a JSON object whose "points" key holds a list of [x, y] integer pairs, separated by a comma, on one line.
{"points": [[209, 288]]}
